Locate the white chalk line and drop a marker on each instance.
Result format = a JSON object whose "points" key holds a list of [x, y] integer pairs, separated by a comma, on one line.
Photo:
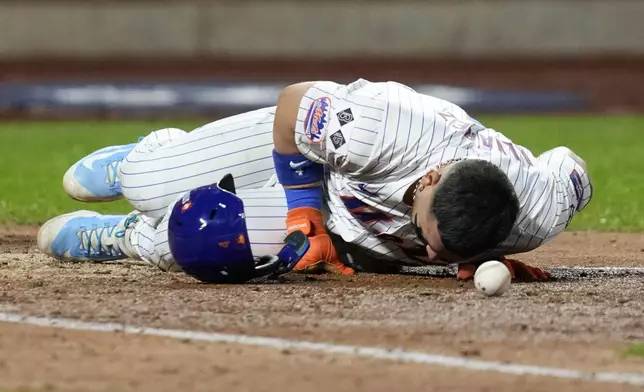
{"points": [[563, 268], [398, 355]]}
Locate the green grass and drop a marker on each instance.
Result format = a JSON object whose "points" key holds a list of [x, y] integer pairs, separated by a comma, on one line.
{"points": [[610, 145], [35, 155], [635, 350]]}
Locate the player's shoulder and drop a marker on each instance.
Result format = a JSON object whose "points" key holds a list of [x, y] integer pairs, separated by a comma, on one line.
{"points": [[382, 87]]}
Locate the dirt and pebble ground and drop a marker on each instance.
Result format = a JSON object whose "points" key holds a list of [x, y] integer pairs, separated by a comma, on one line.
{"points": [[581, 321]]}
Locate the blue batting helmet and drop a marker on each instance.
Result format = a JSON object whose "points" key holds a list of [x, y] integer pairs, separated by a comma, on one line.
{"points": [[208, 238]]}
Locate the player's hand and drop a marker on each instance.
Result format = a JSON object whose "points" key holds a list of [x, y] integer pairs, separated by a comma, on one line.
{"points": [[322, 257], [519, 271], [524, 273]]}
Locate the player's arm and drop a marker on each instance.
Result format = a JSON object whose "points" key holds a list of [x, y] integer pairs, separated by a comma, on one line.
{"points": [[302, 182], [363, 129], [288, 105], [571, 192]]}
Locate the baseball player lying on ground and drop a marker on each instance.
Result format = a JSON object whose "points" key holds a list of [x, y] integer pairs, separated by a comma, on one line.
{"points": [[400, 176]]}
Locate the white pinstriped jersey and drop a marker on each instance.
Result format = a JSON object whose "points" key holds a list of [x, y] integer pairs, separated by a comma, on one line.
{"points": [[378, 138]]}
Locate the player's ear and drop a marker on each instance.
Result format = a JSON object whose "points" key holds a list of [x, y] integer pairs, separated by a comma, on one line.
{"points": [[431, 178]]}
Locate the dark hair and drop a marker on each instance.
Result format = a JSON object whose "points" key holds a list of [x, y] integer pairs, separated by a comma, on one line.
{"points": [[475, 206]]}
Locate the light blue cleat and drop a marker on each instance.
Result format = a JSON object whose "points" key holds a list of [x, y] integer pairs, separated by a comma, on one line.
{"points": [[95, 177], [87, 236]]}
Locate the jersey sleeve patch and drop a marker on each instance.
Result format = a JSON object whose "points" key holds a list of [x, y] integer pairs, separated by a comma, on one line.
{"points": [[317, 119], [345, 116], [575, 178], [337, 139]]}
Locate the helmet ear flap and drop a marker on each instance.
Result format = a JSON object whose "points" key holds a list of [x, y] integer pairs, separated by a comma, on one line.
{"points": [[227, 183]]}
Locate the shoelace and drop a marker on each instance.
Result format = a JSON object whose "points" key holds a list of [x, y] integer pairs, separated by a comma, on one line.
{"points": [[101, 241], [111, 172], [98, 242]]}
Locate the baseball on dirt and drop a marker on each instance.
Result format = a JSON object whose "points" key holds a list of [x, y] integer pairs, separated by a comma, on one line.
{"points": [[492, 278]]}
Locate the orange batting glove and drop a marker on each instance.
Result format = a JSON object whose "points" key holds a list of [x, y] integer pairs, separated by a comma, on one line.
{"points": [[321, 256], [519, 271]]}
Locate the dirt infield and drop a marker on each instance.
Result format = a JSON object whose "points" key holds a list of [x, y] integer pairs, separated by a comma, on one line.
{"points": [[580, 321]]}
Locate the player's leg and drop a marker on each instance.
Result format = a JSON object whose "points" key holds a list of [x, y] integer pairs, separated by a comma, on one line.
{"points": [[90, 236], [152, 176], [95, 176], [265, 210], [236, 139]]}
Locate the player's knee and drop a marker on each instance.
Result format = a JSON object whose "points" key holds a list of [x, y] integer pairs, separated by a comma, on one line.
{"points": [[160, 138]]}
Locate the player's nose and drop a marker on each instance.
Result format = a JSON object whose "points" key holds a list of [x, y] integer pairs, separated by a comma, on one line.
{"points": [[431, 254]]}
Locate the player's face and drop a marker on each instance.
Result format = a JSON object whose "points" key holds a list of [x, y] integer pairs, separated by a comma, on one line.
{"points": [[428, 235], [425, 225]]}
